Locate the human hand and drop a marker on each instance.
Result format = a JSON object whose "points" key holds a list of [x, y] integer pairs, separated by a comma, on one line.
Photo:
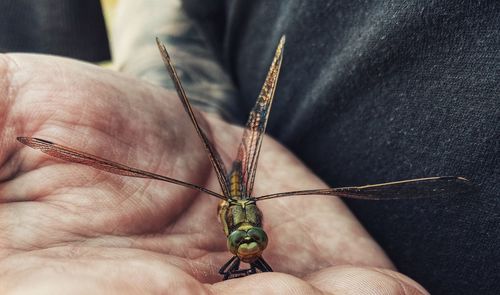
{"points": [[68, 228]]}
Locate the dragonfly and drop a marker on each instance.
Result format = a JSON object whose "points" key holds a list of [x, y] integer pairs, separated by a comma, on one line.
{"points": [[238, 213]]}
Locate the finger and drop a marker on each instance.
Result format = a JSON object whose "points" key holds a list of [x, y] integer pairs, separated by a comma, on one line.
{"points": [[335, 280], [360, 280], [90, 270], [267, 283]]}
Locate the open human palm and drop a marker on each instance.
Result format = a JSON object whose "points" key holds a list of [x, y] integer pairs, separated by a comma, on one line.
{"points": [[69, 228]]}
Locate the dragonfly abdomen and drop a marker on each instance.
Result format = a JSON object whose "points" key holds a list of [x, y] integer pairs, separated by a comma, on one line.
{"points": [[237, 187]]}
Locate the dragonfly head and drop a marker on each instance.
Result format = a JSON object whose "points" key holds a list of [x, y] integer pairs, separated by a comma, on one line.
{"points": [[247, 242]]}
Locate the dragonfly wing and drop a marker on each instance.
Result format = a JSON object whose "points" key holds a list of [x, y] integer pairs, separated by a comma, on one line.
{"points": [[406, 189], [213, 155], [249, 149], [75, 156]]}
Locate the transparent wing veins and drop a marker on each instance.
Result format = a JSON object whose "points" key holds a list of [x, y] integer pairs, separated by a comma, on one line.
{"points": [[213, 155], [75, 156], [405, 189], [249, 149]]}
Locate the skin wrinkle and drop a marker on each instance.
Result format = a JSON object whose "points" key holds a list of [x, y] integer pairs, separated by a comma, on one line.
{"points": [[180, 263], [77, 234], [294, 223], [9, 95], [41, 166], [95, 181], [303, 227], [10, 161], [403, 284], [72, 244], [53, 116], [32, 243], [10, 65], [173, 222], [311, 237], [160, 226], [65, 209], [405, 288], [197, 259], [204, 246], [119, 229], [186, 250]]}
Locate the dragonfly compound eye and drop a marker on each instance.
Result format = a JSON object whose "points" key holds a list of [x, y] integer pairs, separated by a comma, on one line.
{"points": [[235, 239], [252, 245], [259, 236]]}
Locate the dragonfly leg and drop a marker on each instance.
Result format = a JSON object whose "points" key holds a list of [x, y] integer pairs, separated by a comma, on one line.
{"points": [[261, 265], [231, 269], [223, 270], [252, 269]]}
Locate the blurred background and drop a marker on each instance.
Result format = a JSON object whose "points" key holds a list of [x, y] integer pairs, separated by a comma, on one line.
{"points": [[72, 28]]}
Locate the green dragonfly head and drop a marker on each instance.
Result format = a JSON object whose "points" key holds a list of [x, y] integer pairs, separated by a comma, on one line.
{"points": [[247, 242]]}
